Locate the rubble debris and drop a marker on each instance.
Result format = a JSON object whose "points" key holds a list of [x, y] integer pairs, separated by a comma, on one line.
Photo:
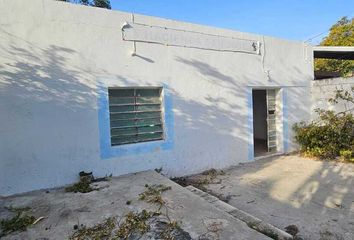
{"points": [[38, 220], [136, 225], [199, 180]]}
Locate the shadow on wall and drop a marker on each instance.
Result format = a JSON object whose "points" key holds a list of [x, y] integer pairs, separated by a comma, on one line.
{"points": [[52, 102], [212, 128], [47, 81], [44, 97], [43, 75], [211, 73]]}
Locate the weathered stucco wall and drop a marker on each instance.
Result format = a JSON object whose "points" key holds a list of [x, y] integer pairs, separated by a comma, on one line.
{"points": [[323, 90], [57, 60]]}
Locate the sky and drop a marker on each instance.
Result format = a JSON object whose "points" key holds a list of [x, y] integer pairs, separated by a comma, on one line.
{"points": [[290, 19]]}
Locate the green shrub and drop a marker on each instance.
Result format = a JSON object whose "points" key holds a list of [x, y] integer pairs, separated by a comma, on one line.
{"points": [[346, 154], [332, 134]]}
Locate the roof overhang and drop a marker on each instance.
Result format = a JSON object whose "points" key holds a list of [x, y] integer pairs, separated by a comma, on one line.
{"points": [[329, 52]]}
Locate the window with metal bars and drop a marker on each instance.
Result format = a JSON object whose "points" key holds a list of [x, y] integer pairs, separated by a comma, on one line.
{"points": [[135, 115]]}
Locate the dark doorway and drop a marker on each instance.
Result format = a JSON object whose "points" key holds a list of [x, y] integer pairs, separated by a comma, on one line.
{"points": [[260, 128]]}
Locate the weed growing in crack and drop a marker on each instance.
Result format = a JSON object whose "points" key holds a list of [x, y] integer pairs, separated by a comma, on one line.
{"points": [[100, 231], [152, 194], [19, 222], [135, 223], [83, 186]]}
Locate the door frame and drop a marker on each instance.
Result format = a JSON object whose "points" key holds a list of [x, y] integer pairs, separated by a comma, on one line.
{"points": [[282, 132]]}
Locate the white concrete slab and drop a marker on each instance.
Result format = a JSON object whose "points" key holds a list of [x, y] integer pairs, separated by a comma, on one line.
{"points": [[63, 210], [314, 195]]}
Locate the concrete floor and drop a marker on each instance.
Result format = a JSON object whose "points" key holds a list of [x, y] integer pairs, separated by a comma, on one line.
{"points": [[61, 210], [316, 196], [260, 148]]}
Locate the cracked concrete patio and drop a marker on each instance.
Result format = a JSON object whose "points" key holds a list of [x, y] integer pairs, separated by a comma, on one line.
{"points": [[316, 196]]}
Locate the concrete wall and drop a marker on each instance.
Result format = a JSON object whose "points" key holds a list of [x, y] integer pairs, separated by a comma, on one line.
{"points": [[57, 60], [323, 90]]}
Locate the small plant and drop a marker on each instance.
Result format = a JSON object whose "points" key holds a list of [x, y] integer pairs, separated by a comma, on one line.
{"points": [[86, 178], [19, 222], [168, 232], [82, 186], [134, 223], [153, 194], [100, 231]]}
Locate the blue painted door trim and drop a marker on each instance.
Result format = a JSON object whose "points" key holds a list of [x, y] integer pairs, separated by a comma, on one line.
{"points": [[250, 124]]}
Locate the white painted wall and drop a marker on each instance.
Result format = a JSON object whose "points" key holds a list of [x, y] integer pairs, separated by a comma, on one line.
{"points": [[323, 90], [53, 56]]}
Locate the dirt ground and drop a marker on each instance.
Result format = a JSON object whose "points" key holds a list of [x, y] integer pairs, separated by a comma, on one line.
{"points": [[316, 196]]}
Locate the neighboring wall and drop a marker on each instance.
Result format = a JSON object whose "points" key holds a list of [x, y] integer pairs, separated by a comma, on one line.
{"points": [[323, 90], [57, 60]]}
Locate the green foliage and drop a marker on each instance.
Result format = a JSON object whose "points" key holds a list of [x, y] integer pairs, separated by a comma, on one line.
{"points": [[93, 3], [346, 154], [101, 4], [19, 222], [341, 34], [331, 135], [82, 186], [153, 194], [134, 222]]}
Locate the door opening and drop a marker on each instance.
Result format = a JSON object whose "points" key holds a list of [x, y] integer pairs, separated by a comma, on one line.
{"points": [[264, 122]]}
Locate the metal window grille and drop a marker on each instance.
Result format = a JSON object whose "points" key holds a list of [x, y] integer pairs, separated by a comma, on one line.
{"points": [[135, 115]]}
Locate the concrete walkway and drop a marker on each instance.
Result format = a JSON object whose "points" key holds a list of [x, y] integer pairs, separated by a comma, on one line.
{"points": [[61, 210], [316, 196]]}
